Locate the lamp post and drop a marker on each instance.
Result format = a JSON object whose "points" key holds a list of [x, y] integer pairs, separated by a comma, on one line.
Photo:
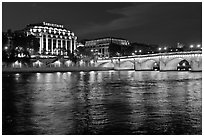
{"points": [[159, 49], [199, 47], [191, 47], [140, 51], [135, 51], [165, 49]]}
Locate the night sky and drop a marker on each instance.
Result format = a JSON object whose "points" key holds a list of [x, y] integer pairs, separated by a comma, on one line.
{"points": [[150, 23]]}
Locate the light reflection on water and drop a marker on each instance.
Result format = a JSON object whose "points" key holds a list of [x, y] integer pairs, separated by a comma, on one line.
{"points": [[109, 102]]}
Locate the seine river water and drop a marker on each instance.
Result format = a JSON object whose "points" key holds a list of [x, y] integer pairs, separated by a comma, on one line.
{"points": [[103, 102]]}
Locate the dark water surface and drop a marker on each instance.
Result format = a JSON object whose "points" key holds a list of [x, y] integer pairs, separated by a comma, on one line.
{"points": [[109, 102]]}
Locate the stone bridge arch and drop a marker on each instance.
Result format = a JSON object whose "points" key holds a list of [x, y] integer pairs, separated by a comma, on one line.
{"points": [[172, 63], [106, 65], [127, 64], [148, 64]]}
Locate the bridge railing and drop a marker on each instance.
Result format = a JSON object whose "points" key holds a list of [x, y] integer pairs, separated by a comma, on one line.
{"points": [[154, 55]]}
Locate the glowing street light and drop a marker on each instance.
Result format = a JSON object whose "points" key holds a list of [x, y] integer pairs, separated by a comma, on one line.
{"points": [[191, 46], [135, 51], [5, 47], [198, 46], [165, 48], [140, 51], [160, 49], [184, 64]]}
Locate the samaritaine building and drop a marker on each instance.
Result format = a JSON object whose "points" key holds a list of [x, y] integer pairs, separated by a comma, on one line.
{"points": [[101, 45], [54, 39]]}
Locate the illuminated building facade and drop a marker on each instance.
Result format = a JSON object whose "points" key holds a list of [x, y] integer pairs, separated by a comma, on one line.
{"points": [[54, 39], [101, 45]]}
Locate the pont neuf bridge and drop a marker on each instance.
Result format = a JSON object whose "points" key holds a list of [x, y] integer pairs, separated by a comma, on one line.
{"points": [[165, 61]]}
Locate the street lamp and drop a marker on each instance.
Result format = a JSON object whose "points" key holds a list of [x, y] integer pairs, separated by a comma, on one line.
{"points": [[140, 51], [198, 46], [165, 48], [184, 64], [191, 46], [159, 49], [5, 47]]}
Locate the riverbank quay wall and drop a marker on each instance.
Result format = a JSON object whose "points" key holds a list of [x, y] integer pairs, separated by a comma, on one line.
{"points": [[166, 61], [51, 70]]}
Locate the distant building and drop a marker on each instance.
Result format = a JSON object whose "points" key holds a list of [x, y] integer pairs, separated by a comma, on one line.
{"points": [[102, 45], [53, 39], [7, 41], [79, 44]]}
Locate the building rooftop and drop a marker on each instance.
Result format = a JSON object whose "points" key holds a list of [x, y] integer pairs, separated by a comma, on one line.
{"points": [[107, 38], [46, 24]]}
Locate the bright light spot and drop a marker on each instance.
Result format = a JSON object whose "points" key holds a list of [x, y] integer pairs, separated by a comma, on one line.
{"points": [[68, 73], [111, 71], [160, 48], [135, 51], [81, 62], [58, 73], [81, 72], [198, 46], [179, 69], [191, 46], [140, 51], [91, 72], [189, 69], [184, 64], [57, 63], [5, 47], [91, 61], [17, 74], [165, 48]]}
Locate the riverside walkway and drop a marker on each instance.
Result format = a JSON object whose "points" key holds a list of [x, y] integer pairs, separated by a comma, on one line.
{"points": [[52, 69]]}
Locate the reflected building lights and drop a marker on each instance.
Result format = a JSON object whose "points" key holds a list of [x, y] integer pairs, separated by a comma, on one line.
{"points": [[69, 73], [58, 73], [91, 77], [81, 72], [38, 76], [17, 76], [99, 77]]}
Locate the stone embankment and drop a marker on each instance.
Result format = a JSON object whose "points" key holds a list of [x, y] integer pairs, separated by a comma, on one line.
{"points": [[56, 69]]}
